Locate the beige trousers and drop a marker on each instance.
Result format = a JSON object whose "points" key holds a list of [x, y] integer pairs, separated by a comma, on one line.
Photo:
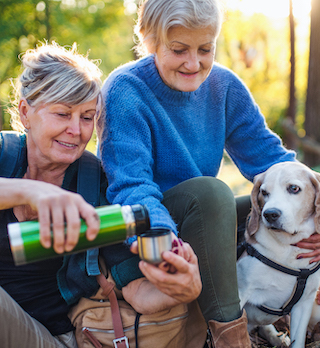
{"points": [[19, 330]]}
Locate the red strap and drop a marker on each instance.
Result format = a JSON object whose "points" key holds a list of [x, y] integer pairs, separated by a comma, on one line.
{"points": [[121, 340], [106, 286], [93, 340]]}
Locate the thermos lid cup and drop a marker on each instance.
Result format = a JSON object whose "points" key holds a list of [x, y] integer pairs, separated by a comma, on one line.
{"points": [[153, 243]]}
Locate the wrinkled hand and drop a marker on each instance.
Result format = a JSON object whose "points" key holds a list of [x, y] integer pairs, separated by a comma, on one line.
{"points": [[145, 298], [312, 243], [55, 207], [184, 284]]}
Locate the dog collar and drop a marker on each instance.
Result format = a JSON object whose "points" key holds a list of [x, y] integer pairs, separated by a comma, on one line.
{"points": [[302, 275]]}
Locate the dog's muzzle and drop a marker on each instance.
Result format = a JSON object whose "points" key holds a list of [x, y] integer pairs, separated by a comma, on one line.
{"points": [[272, 216]]}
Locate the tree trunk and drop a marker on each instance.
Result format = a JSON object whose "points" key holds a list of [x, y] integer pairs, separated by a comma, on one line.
{"points": [[312, 116], [47, 21], [289, 140]]}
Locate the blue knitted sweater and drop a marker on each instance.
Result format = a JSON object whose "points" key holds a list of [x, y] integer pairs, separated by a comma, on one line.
{"points": [[155, 137]]}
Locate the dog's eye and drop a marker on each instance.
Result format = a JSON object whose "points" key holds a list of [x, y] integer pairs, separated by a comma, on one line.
{"points": [[264, 193], [294, 189]]}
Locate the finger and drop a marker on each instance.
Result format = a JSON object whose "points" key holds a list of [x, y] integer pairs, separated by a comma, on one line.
{"points": [[189, 254], [180, 250], [165, 267], [175, 241], [58, 228], [311, 246], [91, 218], [93, 222], [153, 273], [134, 248], [182, 253], [159, 277], [185, 253], [45, 228], [178, 262], [182, 287], [313, 238], [73, 226], [308, 255], [316, 259]]}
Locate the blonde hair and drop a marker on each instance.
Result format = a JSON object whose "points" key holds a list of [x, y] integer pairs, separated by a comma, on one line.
{"points": [[55, 74], [156, 17]]}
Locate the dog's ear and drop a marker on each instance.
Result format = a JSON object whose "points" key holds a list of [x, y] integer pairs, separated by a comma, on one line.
{"points": [[316, 183], [254, 216]]}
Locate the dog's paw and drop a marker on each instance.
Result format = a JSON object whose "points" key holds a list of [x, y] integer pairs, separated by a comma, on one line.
{"points": [[274, 337], [285, 339]]}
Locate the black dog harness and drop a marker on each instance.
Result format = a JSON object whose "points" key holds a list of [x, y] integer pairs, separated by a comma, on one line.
{"points": [[301, 274]]}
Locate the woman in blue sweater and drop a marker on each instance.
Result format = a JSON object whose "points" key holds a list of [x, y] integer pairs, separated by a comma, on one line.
{"points": [[169, 117], [46, 174]]}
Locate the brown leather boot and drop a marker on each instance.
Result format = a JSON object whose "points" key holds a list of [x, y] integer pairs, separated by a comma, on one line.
{"points": [[232, 334]]}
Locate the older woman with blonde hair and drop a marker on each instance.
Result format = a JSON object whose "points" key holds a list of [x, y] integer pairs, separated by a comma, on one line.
{"points": [[58, 100], [169, 117]]}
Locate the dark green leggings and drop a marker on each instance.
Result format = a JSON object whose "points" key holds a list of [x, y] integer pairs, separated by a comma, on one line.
{"points": [[205, 211]]}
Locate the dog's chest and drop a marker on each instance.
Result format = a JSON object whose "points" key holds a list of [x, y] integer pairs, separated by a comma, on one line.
{"points": [[260, 284]]}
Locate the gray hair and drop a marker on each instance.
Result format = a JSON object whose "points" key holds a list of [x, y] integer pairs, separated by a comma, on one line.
{"points": [[54, 74], [156, 17]]}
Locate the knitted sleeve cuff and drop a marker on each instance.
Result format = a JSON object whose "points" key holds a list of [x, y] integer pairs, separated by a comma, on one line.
{"points": [[126, 271]]}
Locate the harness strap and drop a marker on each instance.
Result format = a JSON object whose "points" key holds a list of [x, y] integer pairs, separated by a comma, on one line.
{"points": [[294, 298], [255, 253], [301, 274]]}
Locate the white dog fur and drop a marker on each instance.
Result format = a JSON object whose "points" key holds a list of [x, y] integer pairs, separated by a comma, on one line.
{"points": [[293, 190]]}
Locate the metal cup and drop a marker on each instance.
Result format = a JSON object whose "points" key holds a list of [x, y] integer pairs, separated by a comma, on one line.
{"points": [[153, 243]]}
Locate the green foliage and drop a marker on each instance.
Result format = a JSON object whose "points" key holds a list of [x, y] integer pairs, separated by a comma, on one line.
{"points": [[255, 47], [100, 27], [258, 50]]}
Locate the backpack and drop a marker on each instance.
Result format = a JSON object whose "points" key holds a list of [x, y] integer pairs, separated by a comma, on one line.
{"points": [[13, 164], [13, 154]]}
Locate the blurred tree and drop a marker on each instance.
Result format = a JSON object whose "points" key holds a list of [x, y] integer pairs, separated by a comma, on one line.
{"points": [[260, 58], [289, 139], [312, 119], [103, 27]]}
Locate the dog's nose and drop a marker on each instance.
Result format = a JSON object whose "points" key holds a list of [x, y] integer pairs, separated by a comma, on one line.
{"points": [[272, 215]]}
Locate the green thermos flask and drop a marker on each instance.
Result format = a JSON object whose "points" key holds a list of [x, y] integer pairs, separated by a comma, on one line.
{"points": [[117, 223]]}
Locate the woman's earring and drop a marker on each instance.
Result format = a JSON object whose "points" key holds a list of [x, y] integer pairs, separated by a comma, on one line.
{"points": [[26, 130]]}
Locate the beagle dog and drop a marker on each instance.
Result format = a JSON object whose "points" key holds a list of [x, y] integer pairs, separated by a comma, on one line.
{"points": [[272, 281]]}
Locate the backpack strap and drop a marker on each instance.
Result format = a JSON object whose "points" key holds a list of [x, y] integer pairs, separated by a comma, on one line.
{"points": [[13, 154], [89, 178], [88, 185]]}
